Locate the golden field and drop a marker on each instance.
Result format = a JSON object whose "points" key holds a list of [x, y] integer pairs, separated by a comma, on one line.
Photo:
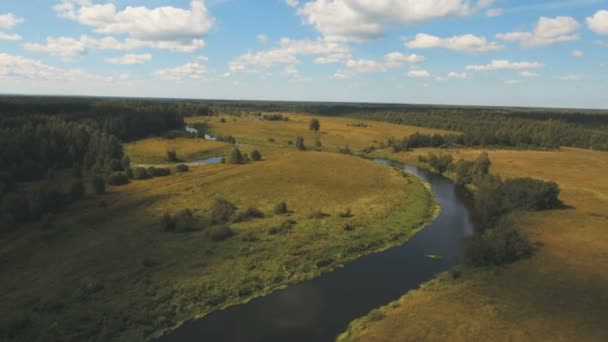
{"points": [[560, 294], [116, 276]]}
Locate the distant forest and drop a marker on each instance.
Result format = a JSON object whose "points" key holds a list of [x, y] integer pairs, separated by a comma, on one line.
{"points": [[40, 136]]}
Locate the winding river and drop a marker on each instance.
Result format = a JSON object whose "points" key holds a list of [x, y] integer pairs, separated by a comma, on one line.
{"points": [[321, 308]]}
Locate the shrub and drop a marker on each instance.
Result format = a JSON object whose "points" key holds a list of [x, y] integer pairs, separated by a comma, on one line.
{"points": [[115, 165], [220, 233], [317, 215], [182, 168], [99, 186], [125, 163], [314, 125], [118, 178], [348, 227], [159, 171], [281, 208], [149, 263], [249, 237], [318, 143], [76, 190], [271, 140], [256, 155], [530, 194], [250, 213], [283, 228], [140, 173], [222, 210], [172, 156], [346, 213], [227, 139], [236, 157], [222, 120], [182, 222], [300, 144], [376, 315], [168, 223], [496, 246], [345, 150]]}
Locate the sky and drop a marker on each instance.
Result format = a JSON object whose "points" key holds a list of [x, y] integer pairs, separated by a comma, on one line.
{"points": [[549, 53]]}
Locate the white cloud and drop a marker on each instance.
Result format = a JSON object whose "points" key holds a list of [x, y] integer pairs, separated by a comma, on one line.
{"points": [[65, 47], [292, 3], [457, 75], [600, 43], [598, 23], [172, 28], [528, 74], [503, 64], [466, 43], [577, 53], [194, 71], [548, 31], [262, 38], [495, 12], [570, 78], [367, 19], [291, 72], [391, 61], [130, 59], [9, 20], [25, 68], [418, 73], [287, 52], [512, 82], [9, 36]]}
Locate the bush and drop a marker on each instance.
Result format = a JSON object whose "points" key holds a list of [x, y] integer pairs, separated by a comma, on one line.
{"points": [[250, 213], [115, 165], [99, 186], [236, 157], [168, 223], [346, 213], [271, 140], [317, 215], [222, 210], [118, 178], [249, 237], [182, 222], [220, 233], [140, 173], [497, 246], [283, 228], [314, 125], [256, 155], [227, 139], [376, 315], [530, 194], [172, 156], [281, 208], [76, 190], [300, 144], [345, 150], [182, 168], [159, 171]]}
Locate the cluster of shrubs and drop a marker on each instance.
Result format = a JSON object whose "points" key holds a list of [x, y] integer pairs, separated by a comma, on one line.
{"points": [[141, 173], [236, 157], [496, 240], [417, 140], [275, 117], [181, 222]]}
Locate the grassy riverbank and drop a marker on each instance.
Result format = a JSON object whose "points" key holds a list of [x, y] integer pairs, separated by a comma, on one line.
{"points": [[117, 276], [559, 294]]}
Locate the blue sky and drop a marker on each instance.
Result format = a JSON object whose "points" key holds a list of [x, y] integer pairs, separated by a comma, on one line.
{"points": [[477, 52]]}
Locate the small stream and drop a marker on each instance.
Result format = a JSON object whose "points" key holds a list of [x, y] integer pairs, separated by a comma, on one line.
{"points": [[321, 308]]}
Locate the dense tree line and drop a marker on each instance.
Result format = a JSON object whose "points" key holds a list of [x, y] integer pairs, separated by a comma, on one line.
{"points": [[496, 240]]}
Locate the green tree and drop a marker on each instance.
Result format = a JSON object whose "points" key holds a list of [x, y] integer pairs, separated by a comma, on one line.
{"points": [[315, 125], [236, 157], [256, 155], [300, 143]]}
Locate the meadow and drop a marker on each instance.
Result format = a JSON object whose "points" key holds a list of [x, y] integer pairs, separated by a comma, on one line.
{"points": [[559, 294], [116, 275]]}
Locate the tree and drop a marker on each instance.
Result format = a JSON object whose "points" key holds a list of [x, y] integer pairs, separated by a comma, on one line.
{"points": [[222, 210], [125, 162], [236, 157], [182, 168], [171, 156], [315, 125], [281, 208], [76, 190], [256, 155], [300, 144]]}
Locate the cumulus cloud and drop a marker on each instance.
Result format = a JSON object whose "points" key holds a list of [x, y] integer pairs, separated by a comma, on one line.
{"points": [[465, 43], [24, 68], [162, 26], [287, 52], [192, 70], [495, 12], [292, 3], [503, 64], [8, 22], [418, 73], [598, 23], [130, 59], [453, 75], [64, 47], [528, 74], [548, 31], [262, 38], [391, 61], [365, 19]]}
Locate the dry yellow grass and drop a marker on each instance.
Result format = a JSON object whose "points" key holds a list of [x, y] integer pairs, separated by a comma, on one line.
{"points": [[560, 294], [154, 150], [335, 132]]}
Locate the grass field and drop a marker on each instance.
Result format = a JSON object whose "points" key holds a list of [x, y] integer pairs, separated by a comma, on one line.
{"points": [[116, 276], [560, 294], [154, 150]]}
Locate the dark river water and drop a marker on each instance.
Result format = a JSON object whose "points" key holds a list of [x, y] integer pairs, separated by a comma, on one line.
{"points": [[321, 308]]}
